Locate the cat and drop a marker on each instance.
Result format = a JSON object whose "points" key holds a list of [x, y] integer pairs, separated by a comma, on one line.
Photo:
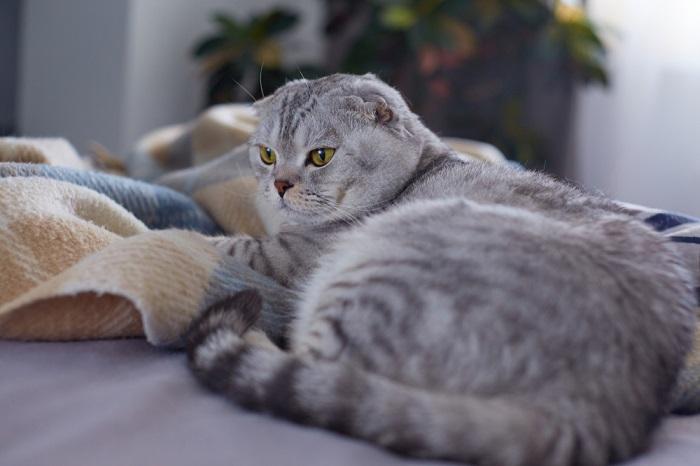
{"points": [[448, 309]]}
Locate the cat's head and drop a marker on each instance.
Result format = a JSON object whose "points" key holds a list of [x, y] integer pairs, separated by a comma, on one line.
{"points": [[333, 148]]}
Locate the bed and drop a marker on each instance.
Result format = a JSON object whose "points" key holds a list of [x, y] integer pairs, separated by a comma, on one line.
{"points": [[124, 402], [128, 401]]}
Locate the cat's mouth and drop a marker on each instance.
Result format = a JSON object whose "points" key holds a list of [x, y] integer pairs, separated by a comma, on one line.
{"points": [[292, 211], [299, 214], [284, 204]]}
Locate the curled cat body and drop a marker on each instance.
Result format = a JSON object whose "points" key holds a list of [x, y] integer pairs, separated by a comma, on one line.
{"points": [[448, 308]]}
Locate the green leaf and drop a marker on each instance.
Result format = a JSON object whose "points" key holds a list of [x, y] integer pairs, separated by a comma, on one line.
{"points": [[227, 24], [596, 75], [264, 26], [584, 32], [398, 17], [209, 45], [279, 21]]}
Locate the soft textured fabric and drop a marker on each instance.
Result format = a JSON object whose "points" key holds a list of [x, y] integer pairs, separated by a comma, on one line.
{"points": [[117, 403], [49, 151], [158, 207], [225, 188], [77, 265], [216, 131]]}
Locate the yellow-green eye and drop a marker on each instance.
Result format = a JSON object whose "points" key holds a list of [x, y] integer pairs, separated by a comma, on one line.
{"points": [[321, 156], [267, 155]]}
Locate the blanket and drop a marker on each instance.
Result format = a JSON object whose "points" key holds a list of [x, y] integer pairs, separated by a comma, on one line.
{"points": [[91, 255], [87, 255], [77, 265], [158, 207], [50, 151]]}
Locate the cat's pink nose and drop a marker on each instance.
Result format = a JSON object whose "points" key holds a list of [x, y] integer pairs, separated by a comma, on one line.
{"points": [[282, 186]]}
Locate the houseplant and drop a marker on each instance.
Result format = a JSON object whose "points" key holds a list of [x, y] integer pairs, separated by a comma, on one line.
{"points": [[501, 71]]}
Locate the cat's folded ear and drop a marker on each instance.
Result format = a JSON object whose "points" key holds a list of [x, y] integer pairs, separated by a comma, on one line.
{"points": [[372, 107], [377, 101]]}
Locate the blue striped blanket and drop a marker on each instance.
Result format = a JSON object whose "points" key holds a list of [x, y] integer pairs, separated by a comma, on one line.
{"points": [[156, 206]]}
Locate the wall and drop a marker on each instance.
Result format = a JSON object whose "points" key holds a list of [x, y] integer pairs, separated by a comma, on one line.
{"points": [[9, 21], [638, 141], [72, 70], [112, 72]]}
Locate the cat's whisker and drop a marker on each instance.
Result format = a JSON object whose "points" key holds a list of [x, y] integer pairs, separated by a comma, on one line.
{"points": [[343, 213], [245, 90], [262, 91]]}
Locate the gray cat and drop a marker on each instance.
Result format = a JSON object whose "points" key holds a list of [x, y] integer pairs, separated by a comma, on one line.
{"points": [[448, 309]]}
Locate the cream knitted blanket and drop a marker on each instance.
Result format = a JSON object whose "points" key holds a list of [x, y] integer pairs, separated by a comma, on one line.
{"points": [[76, 265]]}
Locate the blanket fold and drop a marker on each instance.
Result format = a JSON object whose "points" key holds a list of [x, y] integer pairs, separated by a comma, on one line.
{"points": [[77, 265], [49, 151]]}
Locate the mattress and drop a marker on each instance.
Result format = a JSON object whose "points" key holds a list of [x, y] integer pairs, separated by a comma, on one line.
{"points": [[124, 402]]}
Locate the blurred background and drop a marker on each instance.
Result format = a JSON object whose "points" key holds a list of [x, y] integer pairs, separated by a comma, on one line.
{"points": [[601, 92]]}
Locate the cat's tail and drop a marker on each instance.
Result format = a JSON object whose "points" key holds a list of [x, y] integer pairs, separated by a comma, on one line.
{"points": [[485, 431]]}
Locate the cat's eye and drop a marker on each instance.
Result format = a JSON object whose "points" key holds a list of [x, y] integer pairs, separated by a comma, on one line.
{"points": [[321, 156], [267, 155]]}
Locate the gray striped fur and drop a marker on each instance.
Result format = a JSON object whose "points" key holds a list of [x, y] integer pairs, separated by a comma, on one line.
{"points": [[448, 309]]}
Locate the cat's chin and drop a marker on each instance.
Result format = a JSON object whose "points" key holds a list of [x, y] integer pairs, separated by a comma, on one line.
{"points": [[291, 216]]}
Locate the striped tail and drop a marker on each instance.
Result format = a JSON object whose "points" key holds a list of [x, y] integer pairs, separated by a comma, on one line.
{"points": [[346, 399]]}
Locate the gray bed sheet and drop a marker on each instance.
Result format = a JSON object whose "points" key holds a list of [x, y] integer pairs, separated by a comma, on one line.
{"points": [[126, 403]]}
